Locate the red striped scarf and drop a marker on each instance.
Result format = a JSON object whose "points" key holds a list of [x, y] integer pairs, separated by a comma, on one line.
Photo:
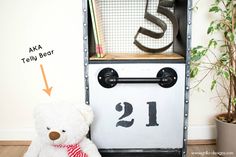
{"points": [[73, 150]]}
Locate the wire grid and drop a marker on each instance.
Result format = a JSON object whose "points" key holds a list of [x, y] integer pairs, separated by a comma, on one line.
{"points": [[121, 20]]}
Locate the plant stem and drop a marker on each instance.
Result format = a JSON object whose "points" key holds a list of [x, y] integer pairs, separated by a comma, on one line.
{"points": [[203, 78]]}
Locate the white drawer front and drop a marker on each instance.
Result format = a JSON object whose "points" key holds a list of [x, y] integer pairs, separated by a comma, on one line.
{"points": [[137, 115]]}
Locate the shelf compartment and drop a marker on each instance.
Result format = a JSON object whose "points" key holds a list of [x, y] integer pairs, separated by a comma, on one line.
{"points": [[137, 56]]}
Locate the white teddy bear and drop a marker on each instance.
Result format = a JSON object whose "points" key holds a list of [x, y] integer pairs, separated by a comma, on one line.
{"points": [[61, 131]]}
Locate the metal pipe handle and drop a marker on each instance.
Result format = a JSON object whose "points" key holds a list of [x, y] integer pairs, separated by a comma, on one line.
{"points": [[108, 78]]}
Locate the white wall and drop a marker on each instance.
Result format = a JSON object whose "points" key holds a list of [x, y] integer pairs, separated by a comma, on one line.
{"points": [[203, 105], [57, 25]]}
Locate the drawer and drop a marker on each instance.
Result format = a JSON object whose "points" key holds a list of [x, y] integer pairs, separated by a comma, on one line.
{"points": [[137, 115]]}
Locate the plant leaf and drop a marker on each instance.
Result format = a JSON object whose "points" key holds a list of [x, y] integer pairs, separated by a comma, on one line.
{"points": [[230, 36], [214, 9], [193, 72], [226, 74], [210, 29], [234, 101], [213, 84], [212, 43]]}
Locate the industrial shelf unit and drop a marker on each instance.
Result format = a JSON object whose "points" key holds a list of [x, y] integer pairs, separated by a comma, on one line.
{"points": [[134, 64]]}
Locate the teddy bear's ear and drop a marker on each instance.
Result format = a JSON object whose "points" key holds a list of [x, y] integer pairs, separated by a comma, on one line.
{"points": [[87, 113]]}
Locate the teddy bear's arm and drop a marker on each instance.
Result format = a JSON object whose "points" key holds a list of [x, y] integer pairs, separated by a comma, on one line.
{"points": [[34, 149], [89, 148]]}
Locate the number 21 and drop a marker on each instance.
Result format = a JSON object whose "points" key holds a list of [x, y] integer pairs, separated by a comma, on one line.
{"points": [[127, 109]]}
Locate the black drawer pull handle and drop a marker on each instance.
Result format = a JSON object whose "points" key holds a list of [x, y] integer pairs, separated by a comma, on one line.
{"points": [[108, 78]]}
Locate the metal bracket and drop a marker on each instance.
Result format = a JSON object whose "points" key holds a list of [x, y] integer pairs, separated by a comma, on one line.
{"points": [[108, 78]]}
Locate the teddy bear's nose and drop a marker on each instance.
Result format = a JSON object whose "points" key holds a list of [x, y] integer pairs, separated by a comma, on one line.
{"points": [[54, 135]]}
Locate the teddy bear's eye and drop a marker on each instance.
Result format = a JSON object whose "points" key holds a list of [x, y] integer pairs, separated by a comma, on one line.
{"points": [[63, 131], [48, 128]]}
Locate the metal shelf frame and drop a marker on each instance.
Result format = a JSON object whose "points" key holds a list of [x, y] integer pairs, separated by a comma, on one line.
{"points": [[183, 11]]}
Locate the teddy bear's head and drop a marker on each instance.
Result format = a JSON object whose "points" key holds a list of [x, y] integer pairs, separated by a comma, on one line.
{"points": [[62, 123]]}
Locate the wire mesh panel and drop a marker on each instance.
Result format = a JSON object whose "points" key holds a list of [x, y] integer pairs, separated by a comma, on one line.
{"points": [[121, 20]]}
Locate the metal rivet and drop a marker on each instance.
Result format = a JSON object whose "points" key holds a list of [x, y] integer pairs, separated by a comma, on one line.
{"points": [[85, 24], [186, 115], [87, 87], [86, 102], [184, 152], [185, 140], [185, 128], [85, 38], [86, 76], [186, 101], [187, 88], [84, 10], [187, 75], [85, 50], [189, 37], [85, 64], [189, 22]]}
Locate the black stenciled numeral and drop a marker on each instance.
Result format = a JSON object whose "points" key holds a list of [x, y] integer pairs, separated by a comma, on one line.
{"points": [[152, 114], [128, 109]]}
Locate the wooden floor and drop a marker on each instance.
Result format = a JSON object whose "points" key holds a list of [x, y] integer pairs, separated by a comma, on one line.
{"points": [[193, 151], [12, 151]]}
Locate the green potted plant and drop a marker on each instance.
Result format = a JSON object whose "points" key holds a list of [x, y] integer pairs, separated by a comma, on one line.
{"points": [[218, 58]]}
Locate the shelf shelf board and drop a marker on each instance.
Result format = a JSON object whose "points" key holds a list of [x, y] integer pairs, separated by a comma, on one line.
{"points": [[138, 56]]}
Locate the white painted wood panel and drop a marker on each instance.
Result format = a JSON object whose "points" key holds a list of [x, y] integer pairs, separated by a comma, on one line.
{"points": [[169, 106]]}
